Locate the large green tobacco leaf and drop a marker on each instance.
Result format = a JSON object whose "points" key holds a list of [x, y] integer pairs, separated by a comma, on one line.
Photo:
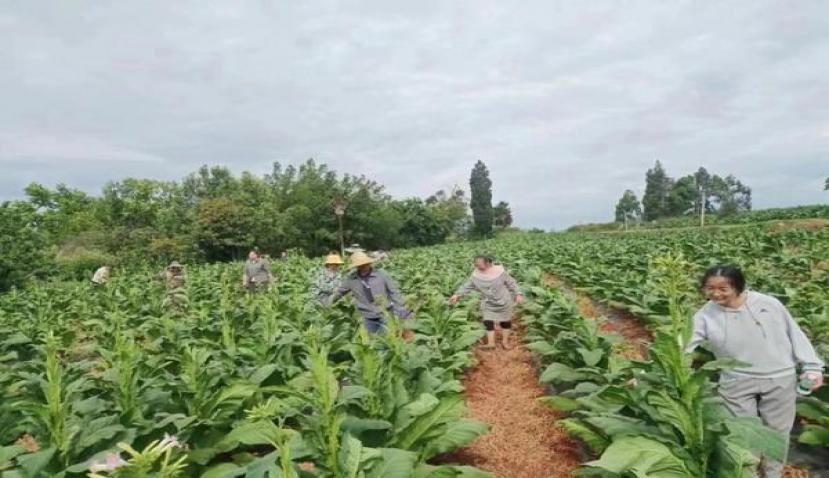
{"points": [[584, 432], [816, 435], [642, 457], [456, 434], [393, 463], [558, 373], [751, 434], [447, 471]]}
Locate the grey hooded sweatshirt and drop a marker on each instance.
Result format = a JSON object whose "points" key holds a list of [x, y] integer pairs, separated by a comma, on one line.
{"points": [[761, 333]]}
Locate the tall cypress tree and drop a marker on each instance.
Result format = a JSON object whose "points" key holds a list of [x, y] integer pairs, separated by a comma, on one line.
{"points": [[481, 202], [657, 188]]}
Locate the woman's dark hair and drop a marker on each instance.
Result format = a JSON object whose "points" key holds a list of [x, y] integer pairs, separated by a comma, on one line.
{"points": [[483, 257], [731, 273]]}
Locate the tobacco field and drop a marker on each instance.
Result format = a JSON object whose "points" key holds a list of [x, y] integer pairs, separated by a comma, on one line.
{"points": [[215, 382]]}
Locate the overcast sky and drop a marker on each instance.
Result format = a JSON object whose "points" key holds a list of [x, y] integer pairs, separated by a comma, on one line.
{"points": [[568, 103]]}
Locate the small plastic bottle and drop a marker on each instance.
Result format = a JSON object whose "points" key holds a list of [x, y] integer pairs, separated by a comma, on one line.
{"points": [[804, 386]]}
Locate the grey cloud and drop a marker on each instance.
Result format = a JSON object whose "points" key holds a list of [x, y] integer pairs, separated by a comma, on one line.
{"points": [[568, 103]]}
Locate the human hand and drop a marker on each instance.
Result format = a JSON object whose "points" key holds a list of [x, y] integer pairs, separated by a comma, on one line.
{"points": [[454, 299], [519, 299]]}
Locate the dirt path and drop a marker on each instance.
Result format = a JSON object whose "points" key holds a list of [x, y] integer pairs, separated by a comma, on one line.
{"points": [[636, 334], [524, 441]]}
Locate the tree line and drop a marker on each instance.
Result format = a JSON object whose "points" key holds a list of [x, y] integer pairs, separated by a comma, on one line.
{"points": [[214, 215], [698, 194]]}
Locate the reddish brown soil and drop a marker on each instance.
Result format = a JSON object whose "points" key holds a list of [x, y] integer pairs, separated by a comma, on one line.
{"points": [[636, 335], [524, 441]]}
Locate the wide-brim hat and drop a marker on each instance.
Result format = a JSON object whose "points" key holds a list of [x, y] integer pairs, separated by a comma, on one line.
{"points": [[360, 259], [333, 259], [174, 265]]}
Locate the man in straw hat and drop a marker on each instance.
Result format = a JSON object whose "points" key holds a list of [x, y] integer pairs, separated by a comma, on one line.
{"points": [[373, 290], [329, 278]]}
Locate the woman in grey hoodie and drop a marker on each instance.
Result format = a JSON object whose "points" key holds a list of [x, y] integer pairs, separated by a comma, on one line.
{"points": [[758, 330], [498, 292]]}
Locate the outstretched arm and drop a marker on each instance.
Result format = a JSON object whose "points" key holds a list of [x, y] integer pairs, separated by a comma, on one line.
{"points": [[342, 290], [463, 290]]}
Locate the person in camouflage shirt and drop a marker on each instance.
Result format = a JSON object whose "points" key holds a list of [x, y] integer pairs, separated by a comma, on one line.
{"points": [[329, 278], [173, 277]]}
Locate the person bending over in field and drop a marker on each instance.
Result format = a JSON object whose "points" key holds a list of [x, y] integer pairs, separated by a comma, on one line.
{"points": [[498, 292], [374, 292], [329, 278], [101, 276], [758, 330], [257, 274]]}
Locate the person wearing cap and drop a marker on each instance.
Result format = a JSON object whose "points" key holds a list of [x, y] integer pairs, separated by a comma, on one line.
{"points": [[257, 275], [354, 248], [173, 276], [329, 278], [374, 291]]}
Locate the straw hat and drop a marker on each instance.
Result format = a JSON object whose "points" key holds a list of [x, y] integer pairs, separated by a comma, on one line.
{"points": [[360, 258], [331, 259], [174, 265]]}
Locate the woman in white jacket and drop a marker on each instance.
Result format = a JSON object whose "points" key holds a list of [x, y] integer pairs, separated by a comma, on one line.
{"points": [[758, 330]]}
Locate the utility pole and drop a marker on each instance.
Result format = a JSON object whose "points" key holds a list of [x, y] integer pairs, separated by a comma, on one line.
{"points": [[340, 204], [702, 205]]}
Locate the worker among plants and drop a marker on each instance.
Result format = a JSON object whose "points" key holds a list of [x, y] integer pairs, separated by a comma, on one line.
{"points": [[758, 331], [173, 276], [329, 278], [374, 291], [257, 275], [381, 255], [101, 276], [498, 292]]}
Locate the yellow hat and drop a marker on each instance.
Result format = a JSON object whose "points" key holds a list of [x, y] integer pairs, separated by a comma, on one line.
{"points": [[360, 258], [333, 259]]}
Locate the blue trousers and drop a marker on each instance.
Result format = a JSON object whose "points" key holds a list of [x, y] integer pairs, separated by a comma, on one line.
{"points": [[375, 326]]}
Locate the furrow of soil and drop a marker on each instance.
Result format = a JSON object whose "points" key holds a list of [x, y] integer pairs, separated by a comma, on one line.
{"points": [[633, 330]]}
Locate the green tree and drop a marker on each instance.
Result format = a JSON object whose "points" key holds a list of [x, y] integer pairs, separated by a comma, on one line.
{"points": [[62, 212], [452, 210], [731, 195], [221, 229], [683, 197], [22, 243], [657, 189], [481, 203], [628, 208], [502, 214], [421, 224]]}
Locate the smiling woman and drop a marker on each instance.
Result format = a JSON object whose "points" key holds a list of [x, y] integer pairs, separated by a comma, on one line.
{"points": [[759, 332]]}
